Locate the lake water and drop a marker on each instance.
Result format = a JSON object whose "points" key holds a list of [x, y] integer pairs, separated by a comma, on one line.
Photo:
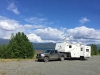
{"points": [[43, 48]]}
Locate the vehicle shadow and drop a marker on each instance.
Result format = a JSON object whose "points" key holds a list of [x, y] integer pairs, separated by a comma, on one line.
{"points": [[66, 59], [48, 61], [74, 59], [39, 61]]}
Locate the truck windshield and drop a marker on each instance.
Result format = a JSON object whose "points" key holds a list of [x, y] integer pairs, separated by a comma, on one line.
{"points": [[47, 51]]}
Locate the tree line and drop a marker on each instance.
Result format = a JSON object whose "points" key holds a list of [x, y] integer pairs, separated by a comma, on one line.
{"points": [[94, 49], [19, 46]]}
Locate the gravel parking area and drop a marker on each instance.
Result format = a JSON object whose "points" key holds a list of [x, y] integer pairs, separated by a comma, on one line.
{"points": [[67, 67]]}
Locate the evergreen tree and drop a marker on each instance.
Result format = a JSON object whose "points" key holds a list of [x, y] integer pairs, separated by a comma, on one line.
{"points": [[20, 47], [3, 51], [94, 49]]}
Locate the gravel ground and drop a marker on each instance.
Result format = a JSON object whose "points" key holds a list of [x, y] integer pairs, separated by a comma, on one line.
{"points": [[67, 67]]}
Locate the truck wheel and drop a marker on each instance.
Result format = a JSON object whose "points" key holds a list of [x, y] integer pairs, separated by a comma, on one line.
{"points": [[62, 58], [46, 59]]}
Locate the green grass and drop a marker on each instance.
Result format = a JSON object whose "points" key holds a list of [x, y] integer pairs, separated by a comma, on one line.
{"points": [[21, 73], [17, 59]]}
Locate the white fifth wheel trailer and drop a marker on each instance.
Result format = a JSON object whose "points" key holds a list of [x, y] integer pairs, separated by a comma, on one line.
{"points": [[73, 50]]}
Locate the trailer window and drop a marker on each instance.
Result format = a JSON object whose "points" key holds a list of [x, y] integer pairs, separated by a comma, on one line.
{"points": [[70, 46], [87, 50]]}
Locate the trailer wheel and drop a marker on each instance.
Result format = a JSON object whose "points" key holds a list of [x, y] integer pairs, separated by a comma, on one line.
{"points": [[46, 59], [81, 57], [62, 58]]}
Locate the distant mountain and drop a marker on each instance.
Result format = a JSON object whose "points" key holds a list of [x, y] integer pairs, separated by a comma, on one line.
{"points": [[39, 46], [4, 41], [44, 46]]}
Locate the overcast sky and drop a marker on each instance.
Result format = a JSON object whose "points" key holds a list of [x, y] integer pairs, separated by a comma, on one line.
{"points": [[51, 20]]}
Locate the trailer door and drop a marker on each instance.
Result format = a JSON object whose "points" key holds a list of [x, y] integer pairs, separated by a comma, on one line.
{"points": [[87, 51], [81, 52]]}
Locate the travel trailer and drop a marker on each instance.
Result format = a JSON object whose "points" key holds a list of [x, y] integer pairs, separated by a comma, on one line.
{"points": [[74, 50]]}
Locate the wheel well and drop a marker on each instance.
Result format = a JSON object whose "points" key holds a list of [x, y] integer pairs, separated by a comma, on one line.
{"points": [[68, 54], [46, 56]]}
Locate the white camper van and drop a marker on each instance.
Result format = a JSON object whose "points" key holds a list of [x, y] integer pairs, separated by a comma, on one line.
{"points": [[74, 50]]}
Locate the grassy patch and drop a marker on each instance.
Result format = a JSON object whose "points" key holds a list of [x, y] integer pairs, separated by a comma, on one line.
{"points": [[9, 60], [18, 59]]}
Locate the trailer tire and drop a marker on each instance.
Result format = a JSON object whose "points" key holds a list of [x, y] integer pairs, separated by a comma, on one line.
{"points": [[46, 59], [81, 57], [62, 58]]}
